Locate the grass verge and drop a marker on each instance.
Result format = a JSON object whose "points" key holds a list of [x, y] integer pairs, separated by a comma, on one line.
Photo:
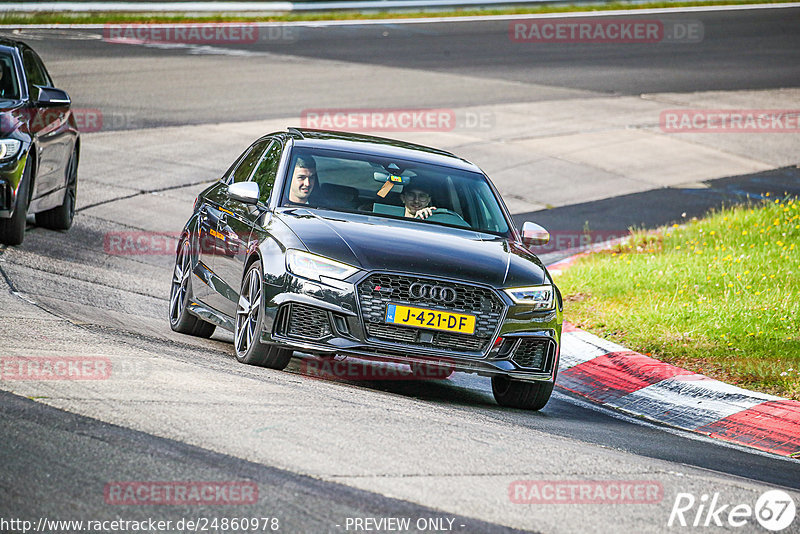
{"points": [[718, 296], [14, 18]]}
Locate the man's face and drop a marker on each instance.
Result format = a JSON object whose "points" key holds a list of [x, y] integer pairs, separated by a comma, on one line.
{"points": [[302, 185], [415, 200]]}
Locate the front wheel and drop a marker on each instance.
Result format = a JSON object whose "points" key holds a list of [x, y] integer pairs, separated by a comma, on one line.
{"points": [[249, 320], [179, 317], [60, 217], [523, 395], [12, 231]]}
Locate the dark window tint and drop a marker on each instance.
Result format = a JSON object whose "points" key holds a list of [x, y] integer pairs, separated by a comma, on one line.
{"points": [[245, 168], [48, 81], [268, 170], [34, 72], [351, 181], [9, 88]]}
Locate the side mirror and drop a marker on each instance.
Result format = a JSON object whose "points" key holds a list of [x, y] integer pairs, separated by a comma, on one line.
{"points": [[533, 234], [50, 96], [246, 192]]}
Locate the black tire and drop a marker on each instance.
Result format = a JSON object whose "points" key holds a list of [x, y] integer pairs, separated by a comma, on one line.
{"points": [[60, 217], [249, 320], [12, 230], [180, 320], [434, 372], [522, 395]]}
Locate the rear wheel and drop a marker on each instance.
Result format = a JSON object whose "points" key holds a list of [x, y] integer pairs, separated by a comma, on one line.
{"points": [[249, 320], [60, 217], [179, 317], [523, 395], [12, 231]]}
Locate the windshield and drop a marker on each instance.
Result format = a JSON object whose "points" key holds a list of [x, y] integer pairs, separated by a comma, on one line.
{"points": [[9, 88], [376, 185]]}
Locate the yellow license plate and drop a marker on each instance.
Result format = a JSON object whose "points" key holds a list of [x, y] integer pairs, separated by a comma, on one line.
{"points": [[433, 319]]}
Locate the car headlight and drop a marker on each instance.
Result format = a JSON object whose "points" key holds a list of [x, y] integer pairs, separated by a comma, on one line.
{"points": [[9, 148], [538, 297], [314, 267]]}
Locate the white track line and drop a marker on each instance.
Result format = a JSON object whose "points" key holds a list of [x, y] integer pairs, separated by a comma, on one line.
{"points": [[432, 20]]}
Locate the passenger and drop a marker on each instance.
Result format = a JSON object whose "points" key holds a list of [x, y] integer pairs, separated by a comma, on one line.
{"points": [[416, 197], [304, 180]]}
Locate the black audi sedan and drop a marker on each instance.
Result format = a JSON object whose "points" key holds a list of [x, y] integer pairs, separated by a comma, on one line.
{"points": [[347, 245], [39, 146]]}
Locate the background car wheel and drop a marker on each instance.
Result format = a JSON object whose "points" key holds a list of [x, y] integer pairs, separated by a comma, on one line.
{"points": [[523, 395], [430, 371], [179, 318], [12, 231], [249, 318], [60, 217]]}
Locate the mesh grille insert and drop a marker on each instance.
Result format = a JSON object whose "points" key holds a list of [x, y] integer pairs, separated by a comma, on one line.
{"points": [[380, 289], [307, 322], [534, 353]]}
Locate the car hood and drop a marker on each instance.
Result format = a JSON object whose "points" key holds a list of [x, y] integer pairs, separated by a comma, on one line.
{"points": [[379, 243]]}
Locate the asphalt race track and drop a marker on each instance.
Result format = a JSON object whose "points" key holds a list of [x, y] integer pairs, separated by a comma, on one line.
{"points": [[323, 453]]}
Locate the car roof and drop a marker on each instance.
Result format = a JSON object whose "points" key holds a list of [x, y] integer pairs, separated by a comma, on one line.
{"points": [[5, 42], [378, 146]]}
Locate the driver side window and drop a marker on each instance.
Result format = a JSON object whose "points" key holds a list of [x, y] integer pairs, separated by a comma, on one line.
{"points": [[245, 168], [33, 73], [268, 170]]}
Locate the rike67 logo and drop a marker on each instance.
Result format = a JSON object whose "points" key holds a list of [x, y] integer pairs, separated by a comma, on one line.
{"points": [[774, 510]]}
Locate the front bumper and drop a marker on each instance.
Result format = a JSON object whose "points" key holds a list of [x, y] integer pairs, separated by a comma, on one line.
{"points": [[10, 178], [329, 319]]}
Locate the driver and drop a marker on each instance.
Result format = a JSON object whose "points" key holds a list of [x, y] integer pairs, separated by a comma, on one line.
{"points": [[304, 180], [416, 197]]}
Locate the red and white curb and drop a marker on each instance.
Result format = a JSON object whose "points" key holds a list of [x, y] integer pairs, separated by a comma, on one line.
{"points": [[612, 375]]}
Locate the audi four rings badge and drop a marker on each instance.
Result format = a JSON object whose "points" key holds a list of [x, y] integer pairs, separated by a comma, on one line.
{"points": [[428, 291]]}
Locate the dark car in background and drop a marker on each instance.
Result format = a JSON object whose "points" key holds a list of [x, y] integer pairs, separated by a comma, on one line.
{"points": [[39, 146], [342, 270]]}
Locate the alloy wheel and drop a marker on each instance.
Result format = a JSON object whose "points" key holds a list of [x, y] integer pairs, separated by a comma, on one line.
{"points": [[180, 283], [247, 312]]}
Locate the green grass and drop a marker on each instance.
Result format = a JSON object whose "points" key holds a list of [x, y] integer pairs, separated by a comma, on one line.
{"points": [[719, 296], [122, 18]]}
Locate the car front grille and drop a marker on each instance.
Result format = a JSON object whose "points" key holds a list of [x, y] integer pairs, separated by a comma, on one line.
{"points": [[536, 354], [389, 332], [303, 322], [380, 289]]}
